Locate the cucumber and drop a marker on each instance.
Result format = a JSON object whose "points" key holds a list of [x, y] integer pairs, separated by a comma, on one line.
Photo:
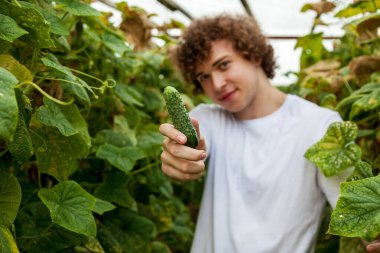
{"points": [[179, 116]]}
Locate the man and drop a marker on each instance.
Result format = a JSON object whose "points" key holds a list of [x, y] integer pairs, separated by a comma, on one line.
{"points": [[261, 194]]}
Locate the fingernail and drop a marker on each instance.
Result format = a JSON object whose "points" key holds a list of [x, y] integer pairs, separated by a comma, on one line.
{"points": [[203, 156], [181, 138]]}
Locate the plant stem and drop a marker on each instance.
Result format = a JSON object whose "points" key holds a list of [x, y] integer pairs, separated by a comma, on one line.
{"points": [[44, 93], [144, 168]]}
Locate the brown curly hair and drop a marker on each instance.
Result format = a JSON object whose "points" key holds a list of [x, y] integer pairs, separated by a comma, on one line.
{"points": [[242, 31]]}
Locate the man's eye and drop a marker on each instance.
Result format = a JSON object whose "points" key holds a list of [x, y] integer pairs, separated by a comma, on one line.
{"points": [[203, 78], [224, 65]]}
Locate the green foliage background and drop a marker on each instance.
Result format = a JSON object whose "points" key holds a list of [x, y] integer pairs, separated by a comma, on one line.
{"points": [[80, 105]]}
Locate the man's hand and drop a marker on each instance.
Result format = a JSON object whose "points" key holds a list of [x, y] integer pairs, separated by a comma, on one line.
{"points": [[374, 246], [180, 162]]}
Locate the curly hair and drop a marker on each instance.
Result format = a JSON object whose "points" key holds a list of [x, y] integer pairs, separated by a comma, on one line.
{"points": [[242, 31]]}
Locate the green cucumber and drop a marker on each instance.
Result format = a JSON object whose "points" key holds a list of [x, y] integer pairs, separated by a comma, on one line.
{"points": [[179, 116]]}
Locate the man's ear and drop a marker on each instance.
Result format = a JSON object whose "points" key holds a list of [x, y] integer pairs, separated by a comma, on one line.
{"points": [[257, 61]]}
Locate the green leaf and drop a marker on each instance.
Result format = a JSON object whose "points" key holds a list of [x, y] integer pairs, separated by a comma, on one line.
{"points": [[7, 242], [128, 95], [67, 118], [58, 155], [8, 105], [4, 46], [66, 72], [337, 150], [357, 213], [122, 158], [9, 30], [132, 231], [115, 189], [358, 7], [115, 43], [31, 20], [10, 199], [57, 25], [111, 137], [71, 207], [160, 247], [102, 206], [15, 67], [366, 103], [351, 245], [362, 170], [77, 8], [312, 49], [37, 234]]}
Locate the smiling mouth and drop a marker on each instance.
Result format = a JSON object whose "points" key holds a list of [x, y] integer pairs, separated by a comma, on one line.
{"points": [[226, 96]]}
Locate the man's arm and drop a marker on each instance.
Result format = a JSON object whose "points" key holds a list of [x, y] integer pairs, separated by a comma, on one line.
{"points": [[180, 162]]}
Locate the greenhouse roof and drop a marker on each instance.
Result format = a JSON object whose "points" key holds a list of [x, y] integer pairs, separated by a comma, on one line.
{"points": [[282, 21]]}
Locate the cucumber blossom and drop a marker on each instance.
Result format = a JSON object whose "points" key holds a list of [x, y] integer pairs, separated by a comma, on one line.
{"points": [[179, 116]]}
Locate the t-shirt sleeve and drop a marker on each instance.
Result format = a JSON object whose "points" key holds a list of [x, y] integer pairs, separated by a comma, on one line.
{"points": [[330, 186]]}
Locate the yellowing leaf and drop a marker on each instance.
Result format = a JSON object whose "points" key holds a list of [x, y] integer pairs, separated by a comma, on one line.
{"points": [[7, 242], [15, 67]]}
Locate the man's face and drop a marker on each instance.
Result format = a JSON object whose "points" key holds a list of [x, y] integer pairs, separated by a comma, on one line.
{"points": [[229, 79]]}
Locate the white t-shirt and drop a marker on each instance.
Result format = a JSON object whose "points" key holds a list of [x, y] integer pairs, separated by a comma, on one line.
{"points": [[261, 195]]}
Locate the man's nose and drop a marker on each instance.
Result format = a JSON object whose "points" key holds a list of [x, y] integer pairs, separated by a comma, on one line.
{"points": [[218, 81]]}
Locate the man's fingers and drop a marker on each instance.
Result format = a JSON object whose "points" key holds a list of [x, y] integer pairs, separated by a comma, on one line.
{"points": [[373, 247], [178, 175], [172, 133], [182, 165], [183, 152]]}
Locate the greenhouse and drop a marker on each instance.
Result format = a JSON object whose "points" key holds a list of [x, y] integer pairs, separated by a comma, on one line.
{"points": [[159, 126]]}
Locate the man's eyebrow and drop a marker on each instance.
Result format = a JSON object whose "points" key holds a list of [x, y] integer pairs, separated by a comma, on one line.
{"points": [[219, 60]]}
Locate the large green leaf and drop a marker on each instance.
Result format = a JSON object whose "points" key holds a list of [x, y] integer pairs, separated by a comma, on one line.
{"points": [[8, 105], [10, 199], [58, 155], [122, 158], [337, 150], [7, 242], [77, 8], [9, 30], [37, 234], [115, 189], [357, 213], [67, 119], [31, 20], [71, 207]]}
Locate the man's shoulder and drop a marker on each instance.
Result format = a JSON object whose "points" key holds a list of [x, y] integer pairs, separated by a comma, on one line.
{"points": [[306, 108]]}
